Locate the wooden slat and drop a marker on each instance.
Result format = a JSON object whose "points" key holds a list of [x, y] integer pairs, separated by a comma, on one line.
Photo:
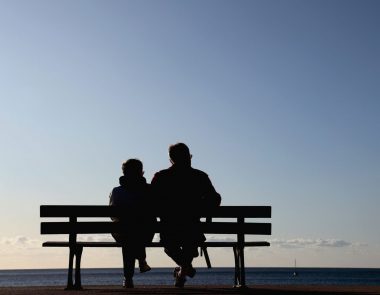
{"points": [[109, 227], [153, 244], [107, 211], [241, 211], [92, 244]]}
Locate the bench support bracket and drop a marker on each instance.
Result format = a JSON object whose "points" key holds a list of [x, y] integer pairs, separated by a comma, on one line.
{"points": [[205, 253]]}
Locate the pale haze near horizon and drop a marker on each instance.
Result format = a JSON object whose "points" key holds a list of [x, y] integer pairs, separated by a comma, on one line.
{"points": [[277, 100]]}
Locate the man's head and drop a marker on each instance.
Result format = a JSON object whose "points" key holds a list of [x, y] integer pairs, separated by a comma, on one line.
{"points": [[132, 168], [179, 154]]}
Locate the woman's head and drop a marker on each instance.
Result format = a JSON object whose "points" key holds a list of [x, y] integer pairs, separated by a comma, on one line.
{"points": [[132, 168]]}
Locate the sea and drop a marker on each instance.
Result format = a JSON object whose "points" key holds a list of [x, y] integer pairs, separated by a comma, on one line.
{"points": [[204, 276]]}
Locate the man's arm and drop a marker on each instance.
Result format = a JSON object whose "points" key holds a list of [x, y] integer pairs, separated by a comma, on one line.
{"points": [[212, 197]]}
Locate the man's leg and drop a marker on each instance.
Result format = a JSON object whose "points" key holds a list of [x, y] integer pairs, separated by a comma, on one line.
{"points": [[174, 252], [190, 250]]}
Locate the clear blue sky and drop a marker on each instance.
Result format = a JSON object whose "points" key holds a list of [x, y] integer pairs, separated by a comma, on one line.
{"points": [[279, 102]]}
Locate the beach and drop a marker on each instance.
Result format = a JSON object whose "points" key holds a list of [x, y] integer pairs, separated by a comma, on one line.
{"points": [[257, 290]]}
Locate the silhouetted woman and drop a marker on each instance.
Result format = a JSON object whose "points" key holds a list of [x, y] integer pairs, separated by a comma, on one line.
{"points": [[133, 195]]}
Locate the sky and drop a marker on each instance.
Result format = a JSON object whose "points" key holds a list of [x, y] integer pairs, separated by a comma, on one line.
{"points": [[278, 101]]}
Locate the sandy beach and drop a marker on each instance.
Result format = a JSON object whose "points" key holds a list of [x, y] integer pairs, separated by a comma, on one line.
{"points": [[257, 290]]}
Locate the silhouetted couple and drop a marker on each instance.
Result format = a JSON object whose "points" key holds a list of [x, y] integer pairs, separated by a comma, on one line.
{"points": [[177, 194]]}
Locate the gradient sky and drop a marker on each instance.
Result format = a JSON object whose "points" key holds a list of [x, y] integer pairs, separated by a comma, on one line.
{"points": [[279, 102]]}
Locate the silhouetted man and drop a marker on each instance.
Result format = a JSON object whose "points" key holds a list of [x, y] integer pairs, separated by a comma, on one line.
{"points": [[185, 191]]}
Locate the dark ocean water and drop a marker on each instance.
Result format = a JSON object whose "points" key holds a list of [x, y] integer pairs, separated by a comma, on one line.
{"points": [[214, 276]]}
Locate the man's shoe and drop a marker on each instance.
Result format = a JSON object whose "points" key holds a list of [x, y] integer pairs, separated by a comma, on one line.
{"points": [[180, 282], [179, 279], [144, 267], [128, 283], [188, 271], [176, 270]]}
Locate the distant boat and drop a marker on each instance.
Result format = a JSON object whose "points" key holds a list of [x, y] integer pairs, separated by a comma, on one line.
{"points": [[295, 273]]}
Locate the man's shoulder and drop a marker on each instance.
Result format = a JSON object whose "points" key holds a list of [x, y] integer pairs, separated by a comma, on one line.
{"points": [[199, 172], [161, 175], [170, 173], [162, 172]]}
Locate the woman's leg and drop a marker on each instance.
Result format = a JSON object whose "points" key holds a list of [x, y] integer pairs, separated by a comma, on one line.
{"points": [[128, 262]]}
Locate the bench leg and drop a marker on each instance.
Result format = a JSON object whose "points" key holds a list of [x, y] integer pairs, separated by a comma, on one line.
{"points": [[239, 267], [77, 253], [78, 257], [242, 268], [70, 284], [236, 279]]}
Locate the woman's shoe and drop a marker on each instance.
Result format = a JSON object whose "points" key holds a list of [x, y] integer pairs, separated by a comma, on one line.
{"points": [[144, 267], [128, 283]]}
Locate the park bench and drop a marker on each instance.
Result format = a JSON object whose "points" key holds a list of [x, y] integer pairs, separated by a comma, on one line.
{"points": [[239, 225]]}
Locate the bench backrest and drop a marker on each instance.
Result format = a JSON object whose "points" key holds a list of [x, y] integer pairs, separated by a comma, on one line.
{"points": [[73, 226]]}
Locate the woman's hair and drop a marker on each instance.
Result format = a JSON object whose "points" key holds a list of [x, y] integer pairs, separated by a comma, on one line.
{"points": [[132, 168]]}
